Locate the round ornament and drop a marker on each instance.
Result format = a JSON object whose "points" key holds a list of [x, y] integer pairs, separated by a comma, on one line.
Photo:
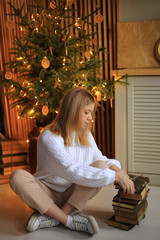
{"points": [[87, 54], [8, 75], [45, 110], [94, 41], [45, 62], [10, 24], [98, 18], [52, 5]]}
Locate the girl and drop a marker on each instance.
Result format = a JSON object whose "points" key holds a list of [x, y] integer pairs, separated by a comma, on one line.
{"points": [[70, 169]]}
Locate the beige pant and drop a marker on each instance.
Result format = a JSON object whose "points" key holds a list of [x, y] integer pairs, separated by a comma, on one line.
{"points": [[40, 197]]}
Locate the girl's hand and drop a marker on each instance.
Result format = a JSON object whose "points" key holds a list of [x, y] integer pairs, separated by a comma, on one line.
{"points": [[126, 184]]}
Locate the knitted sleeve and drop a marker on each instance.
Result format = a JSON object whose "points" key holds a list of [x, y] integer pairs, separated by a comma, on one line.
{"points": [[54, 159], [99, 156]]}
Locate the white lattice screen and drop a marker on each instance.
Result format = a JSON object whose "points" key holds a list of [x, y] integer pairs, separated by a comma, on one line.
{"points": [[140, 134]]}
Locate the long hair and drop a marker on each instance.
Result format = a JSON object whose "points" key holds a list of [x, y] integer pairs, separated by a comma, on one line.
{"points": [[67, 118]]}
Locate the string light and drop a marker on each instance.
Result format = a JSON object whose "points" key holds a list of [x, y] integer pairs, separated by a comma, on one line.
{"points": [[32, 17], [19, 58]]}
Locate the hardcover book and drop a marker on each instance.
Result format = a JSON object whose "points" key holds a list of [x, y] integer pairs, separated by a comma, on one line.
{"points": [[125, 226]]}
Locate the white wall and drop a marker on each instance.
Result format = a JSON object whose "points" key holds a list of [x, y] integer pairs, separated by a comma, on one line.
{"points": [[136, 10]]}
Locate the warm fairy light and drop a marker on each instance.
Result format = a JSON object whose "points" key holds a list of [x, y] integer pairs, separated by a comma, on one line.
{"points": [[35, 97], [36, 29], [32, 17], [18, 106], [55, 32], [27, 141], [81, 62], [20, 58], [18, 117], [41, 80], [76, 24], [98, 94], [83, 75], [56, 112], [118, 77], [31, 112], [21, 28]]}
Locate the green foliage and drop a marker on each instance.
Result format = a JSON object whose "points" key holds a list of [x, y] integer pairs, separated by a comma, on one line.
{"points": [[47, 35]]}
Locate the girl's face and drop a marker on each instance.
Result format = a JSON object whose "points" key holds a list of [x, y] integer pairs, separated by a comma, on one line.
{"points": [[85, 115]]}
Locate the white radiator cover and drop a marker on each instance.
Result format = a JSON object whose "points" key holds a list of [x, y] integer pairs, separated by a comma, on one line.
{"points": [[137, 126]]}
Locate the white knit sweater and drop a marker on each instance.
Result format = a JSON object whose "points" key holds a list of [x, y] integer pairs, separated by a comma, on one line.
{"points": [[58, 166]]}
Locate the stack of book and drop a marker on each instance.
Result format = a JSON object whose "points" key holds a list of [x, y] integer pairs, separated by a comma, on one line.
{"points": [[13, 155], [129, 210]]}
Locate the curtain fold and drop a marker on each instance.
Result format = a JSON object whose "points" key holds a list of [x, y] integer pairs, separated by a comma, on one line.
{"points": [[14, 127]]}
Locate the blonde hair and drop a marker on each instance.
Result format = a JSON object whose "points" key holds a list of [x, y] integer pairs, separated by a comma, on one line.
{"points": [[67, 119]]}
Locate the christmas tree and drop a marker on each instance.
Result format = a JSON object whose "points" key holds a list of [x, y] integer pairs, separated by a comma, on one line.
{"points": [[53, 55]]}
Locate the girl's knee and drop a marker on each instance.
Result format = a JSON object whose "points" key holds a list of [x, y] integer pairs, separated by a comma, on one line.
{"points": [[100, 164], [16, 177]]}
